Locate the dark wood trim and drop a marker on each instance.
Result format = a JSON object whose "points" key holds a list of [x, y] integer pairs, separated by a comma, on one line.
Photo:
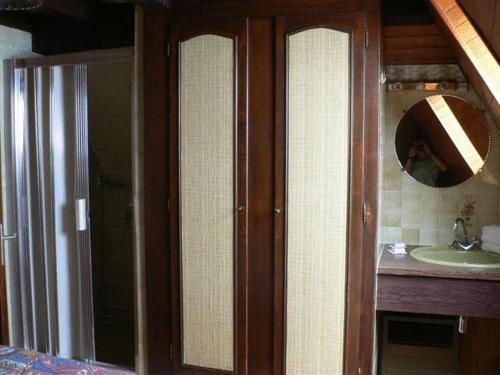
{"points": [[157, 252], [258, 8], [442, 296], [236, 29], [353, 23], [479, 348], [280, 142], [260, 195], [370, 151]]}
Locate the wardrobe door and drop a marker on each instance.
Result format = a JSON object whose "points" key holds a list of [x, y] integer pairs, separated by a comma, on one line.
{"points": [[208, 197], [318, 203]]}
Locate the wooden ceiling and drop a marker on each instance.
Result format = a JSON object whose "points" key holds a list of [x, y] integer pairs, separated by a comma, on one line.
{"points": [[410, 36], [415, 44], [486, 17], [476, 58]]}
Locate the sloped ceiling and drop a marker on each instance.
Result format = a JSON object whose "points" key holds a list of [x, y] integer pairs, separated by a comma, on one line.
{"points": [[466, 39], [484, 13]]}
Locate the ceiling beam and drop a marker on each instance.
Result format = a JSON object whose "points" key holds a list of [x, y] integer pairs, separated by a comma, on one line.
{"points": [[144, 3], [73, 9]]}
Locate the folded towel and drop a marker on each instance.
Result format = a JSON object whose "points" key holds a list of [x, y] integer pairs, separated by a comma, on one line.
{"points": [[490, 247], [491, 238], [397, 251], [491, 230], [399, 245], [399, 248]]}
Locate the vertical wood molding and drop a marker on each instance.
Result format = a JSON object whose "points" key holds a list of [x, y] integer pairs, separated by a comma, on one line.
{"points": [[371, 131], [260, 196], [156, 169]]}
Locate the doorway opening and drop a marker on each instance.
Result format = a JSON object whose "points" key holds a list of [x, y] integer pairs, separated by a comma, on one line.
{"points": [[110, 180], [70, 164]]}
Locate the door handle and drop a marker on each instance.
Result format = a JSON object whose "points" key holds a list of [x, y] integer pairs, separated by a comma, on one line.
{"points": [[81, 215], [3, 238]]}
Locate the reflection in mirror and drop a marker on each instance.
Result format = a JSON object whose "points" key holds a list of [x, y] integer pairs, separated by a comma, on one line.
{"points": [[442, 141]]}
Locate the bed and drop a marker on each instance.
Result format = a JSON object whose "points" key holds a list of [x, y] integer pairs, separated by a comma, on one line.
{"points": [[15, 361]]}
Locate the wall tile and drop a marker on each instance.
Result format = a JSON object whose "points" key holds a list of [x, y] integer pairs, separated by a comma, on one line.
{"points": [[392, 218], [392, 234], [429, 210], [392, 175], [409, 184], [410, 215], [428, 237], [411, 236]]}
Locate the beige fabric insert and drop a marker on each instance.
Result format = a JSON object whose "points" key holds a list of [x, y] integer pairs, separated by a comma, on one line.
{"points": [[207, 200], [318, 173]]}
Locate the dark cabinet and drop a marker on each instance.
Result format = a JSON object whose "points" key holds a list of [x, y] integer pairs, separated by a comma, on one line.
{"points": [[479, 348], [268, 267]]}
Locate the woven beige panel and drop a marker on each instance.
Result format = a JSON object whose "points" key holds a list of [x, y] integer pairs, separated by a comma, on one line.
{"points": [[207, 200], [318, 173]]}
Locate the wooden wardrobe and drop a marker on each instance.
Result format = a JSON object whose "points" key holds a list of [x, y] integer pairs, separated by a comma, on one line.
{"points": [[261, 149]]}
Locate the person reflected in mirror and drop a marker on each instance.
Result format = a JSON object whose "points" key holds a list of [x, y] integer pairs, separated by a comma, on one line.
{"points": [[423, 164]]}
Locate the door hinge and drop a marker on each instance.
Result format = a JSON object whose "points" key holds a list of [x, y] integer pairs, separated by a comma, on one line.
{"points": [[366, 38], [167, 47], [365, 213]]}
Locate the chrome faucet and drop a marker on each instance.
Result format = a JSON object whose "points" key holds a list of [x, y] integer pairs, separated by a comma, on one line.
{"points": [[465, 244]]}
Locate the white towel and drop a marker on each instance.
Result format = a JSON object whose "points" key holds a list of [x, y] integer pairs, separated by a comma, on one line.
{"points": [[491, 239], [490, 247], [399, 248], [491, 230], [398, 245]]}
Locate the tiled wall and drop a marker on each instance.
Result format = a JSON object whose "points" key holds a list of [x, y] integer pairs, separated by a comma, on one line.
{"points": [[416, 214]]}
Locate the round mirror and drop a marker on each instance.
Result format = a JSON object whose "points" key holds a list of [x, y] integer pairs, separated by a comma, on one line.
{"points": [[442, 141]]}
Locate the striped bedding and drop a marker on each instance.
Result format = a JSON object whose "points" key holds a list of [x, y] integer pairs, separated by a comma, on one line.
{"points": [[15, 361]]}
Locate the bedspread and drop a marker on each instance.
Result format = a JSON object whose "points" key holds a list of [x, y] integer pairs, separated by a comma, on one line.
{"points": [[15, 361]]}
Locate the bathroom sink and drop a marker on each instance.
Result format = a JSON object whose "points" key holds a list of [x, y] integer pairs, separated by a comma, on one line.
{"points": [[445, 256]]}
